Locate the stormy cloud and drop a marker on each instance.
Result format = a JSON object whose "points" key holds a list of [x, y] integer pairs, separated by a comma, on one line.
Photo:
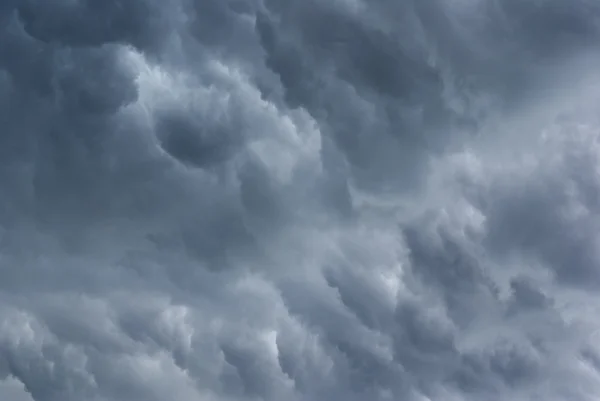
{"points": [[299, 200]]}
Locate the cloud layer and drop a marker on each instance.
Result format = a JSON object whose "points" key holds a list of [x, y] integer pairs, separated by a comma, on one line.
{"points": [[299, 200]]}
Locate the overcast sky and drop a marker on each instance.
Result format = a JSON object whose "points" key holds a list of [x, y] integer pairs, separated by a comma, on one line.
{"points": [[299, 200]]}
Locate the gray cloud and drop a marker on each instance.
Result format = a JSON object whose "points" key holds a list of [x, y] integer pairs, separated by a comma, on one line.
{"points": [[298, 200]]}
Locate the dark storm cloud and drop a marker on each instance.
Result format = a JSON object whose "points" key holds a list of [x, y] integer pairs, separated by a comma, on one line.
{"points": [[94, 23], [297, 200], [355, 80], [418, 73], [550, 26], [60, 105]]}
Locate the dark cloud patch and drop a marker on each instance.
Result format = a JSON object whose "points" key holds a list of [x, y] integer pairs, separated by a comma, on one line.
{"points": [[89, 83], [504, 365], [336, 79], [62, 101], [552, 26], [442, 261], [94, 23], [193, 143], [553, 219], [525, 296]]}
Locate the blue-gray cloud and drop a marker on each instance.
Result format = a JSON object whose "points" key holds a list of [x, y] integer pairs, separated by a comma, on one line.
{"points": [[299, 200]]}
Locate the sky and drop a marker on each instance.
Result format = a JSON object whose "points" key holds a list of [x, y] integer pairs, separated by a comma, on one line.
{"points": [[299, 200]]}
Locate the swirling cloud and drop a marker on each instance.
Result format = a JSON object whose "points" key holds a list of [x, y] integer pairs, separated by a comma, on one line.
{"points": [[299, 200]]}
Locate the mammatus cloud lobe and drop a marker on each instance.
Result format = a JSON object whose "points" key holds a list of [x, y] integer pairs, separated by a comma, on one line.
{"points": [[299, 200]]}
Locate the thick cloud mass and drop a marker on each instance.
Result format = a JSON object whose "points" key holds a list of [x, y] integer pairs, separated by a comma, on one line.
{"points": [[209, 200]]}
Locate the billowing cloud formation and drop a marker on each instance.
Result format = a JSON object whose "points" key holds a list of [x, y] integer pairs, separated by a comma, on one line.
{"points": [[299, 200]]}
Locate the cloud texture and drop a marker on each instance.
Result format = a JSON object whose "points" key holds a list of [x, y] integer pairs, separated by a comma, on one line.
{"points": [[210, 200]]}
